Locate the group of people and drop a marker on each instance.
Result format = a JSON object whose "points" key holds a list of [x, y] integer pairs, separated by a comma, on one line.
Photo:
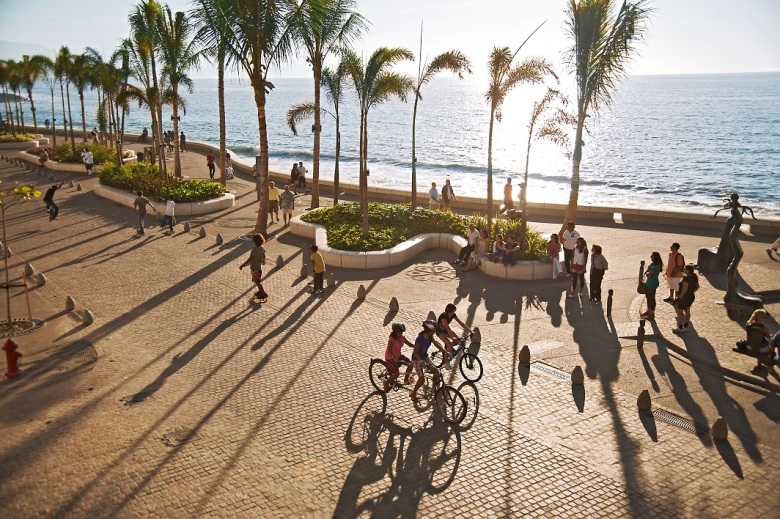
{"points": [[421, 361], [298, 178], [169, 139], [575, 262], [443, 200], [284, 200], [141, 203], [681, 280]]}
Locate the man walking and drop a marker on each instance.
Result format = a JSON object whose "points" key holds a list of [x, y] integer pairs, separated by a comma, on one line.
{"points": [[183, 142], [169, 212], [89, 160], [140, 207], [447, 195], [569, 242], [508, 195], [302, 178], [210, 158], [51, 207], [273, 201], [433, 197], [287, 201]]}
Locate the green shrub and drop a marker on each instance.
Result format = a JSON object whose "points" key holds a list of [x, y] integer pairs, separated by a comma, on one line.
{"points": [[145, 177], [19, 137], [100, 154], [391, 224]]}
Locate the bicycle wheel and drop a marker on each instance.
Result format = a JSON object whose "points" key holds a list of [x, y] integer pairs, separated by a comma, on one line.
{"points": [[471, 367], [377, 372], [450, 404]]}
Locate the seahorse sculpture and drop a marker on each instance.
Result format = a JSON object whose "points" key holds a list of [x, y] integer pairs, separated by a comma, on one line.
{"points": [[734, 296]]}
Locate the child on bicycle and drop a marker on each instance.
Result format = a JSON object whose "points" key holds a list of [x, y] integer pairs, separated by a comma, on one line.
{"points": [[393, 358], [420, 356], [445, 333]]}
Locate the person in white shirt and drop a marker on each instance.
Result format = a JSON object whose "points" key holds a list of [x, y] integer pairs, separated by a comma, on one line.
{"points": [[569, 242], [169, 212], [466, 251], [89, 161]]}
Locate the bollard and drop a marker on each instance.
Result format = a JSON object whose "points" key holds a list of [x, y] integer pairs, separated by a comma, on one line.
{"points": [[70, 184], [219, 239], [41, 279], [29, 270], [202, 232], [525, 356], [361, 293], [643, 402], [187, 227], [78, 186], [577, 376], [304, 271], [331, 279], [70, 304], [394, 305], [609, 302], [640, 334], [88, 318], [279, 261], [720, 431]]}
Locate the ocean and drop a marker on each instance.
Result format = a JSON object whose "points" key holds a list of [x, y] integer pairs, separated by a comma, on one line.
{"points": [[681, 142]]}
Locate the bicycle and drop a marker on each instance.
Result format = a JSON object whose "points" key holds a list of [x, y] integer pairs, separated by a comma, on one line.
{"points": [[469, 364], [450, 403]]}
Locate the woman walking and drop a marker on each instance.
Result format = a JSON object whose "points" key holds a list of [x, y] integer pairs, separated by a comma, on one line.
{"points": [[579, 261], [652, 282]]}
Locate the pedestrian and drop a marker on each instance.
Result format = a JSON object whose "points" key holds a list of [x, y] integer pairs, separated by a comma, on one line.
{"points": [[318, 265], [47, 122], [89, 161], [144, 135], [294, 178], [480, 250], [775, 247], [273, 201], [433, 197], [94, 134], [554, 251], [302, 178], [228, 167], [652, 282], [169, 219], [48, 197], [140, 207], [598, 266], [511, 251], [674, 271], [689, 284], [507, 195], [471, 243], [210, 159], [570, 237], [255, 261], [447, 195], [287, 202], [183, 142], [579, 261]]}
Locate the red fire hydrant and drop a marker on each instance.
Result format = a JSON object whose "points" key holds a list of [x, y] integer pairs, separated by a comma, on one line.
{"points": [[11, 358]]}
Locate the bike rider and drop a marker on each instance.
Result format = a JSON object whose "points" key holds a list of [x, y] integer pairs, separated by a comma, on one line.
{"points": [[393, 358], [420, 356], [445, 333]]}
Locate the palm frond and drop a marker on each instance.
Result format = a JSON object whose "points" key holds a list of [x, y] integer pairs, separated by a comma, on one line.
{"points": [[299, 113]]}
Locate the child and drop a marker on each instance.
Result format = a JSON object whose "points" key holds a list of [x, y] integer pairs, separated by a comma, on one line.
{"points": [[420, 355], [598, 265], [393, 358], [256, 260], [554, 251], [318, 264]]}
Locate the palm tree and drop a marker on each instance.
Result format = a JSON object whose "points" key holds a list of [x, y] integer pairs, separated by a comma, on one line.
{"points": [[603, 41], [14, 80], [375, 84], [454, 61], [179, 53], [321, 27], [61, 66], [51, 82], [546, 123], [503, 78], [80, 78], [4, 73], [33, 68], [262, 39], [214, 33]]}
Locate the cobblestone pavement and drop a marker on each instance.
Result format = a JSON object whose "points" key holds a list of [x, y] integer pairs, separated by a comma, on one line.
{"points": [[184, 398]]}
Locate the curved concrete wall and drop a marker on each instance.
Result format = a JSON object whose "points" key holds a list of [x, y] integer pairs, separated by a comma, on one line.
{"points": [[226, 201]]}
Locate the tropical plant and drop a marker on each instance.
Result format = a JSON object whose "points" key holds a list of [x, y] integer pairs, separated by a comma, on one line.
{"points": [[503, 78], [547, 123], [179, 53], [145, 177], [603, 38], [454, 61], [321, 27], [374, 84], [33, 69]]}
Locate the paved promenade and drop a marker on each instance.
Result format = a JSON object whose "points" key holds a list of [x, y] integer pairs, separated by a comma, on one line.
{"points": [[185, 399]]}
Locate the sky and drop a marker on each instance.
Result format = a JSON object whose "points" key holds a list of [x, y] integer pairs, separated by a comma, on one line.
{"points": [[683, 36]]}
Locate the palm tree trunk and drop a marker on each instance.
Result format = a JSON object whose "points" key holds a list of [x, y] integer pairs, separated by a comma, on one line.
{"points": [[21, 109], [315, 176], [83, 116], [574, 194], [53, 120], [414, 152], [118, 135], [336, 168], [32, 109], [8, 112], [70, 117], [176, 150], [524, 194], [490, 173], [262, 175], [222, 129], [64, 113], [158, 108], [364, 172]]}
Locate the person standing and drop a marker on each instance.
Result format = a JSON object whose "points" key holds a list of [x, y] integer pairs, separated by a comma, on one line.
{"points": [[318, 265], [94, 134], [579, 261], [652, 282], [508, 195], [183, 142], [775, 247], [447, 195], [228, 167], [294, 178], [302, 177], [210, 159], [674, 271], [433, 197], [598, 266], [287, 201], [570, 237], [140, 207], [89, 161], [47, 122], [170, 206], [48, 197], [689, 284], [471, 243], [255, 261], [554, 251], [273, 201]]}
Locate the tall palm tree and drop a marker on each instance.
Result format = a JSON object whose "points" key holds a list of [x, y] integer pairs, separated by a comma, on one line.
{"points": [[454, 61], [321, 27], [374, 84], [14, 80], [210, 16], [33, 69], [262, 39], [4, 75], [603, 38], [61, 66], [179, 53], [503, 78]]}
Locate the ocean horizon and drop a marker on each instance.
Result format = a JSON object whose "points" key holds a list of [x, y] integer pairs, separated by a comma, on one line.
{"points": [[681, 142]]}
